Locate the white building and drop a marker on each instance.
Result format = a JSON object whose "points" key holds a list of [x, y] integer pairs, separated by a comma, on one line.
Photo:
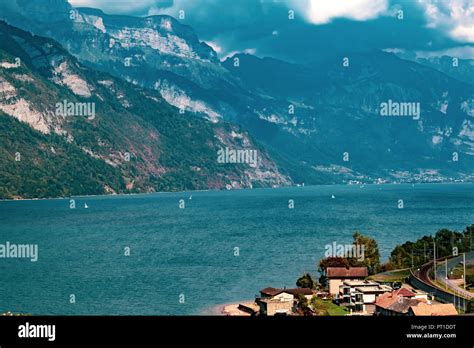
{"points": [[361, 295]]}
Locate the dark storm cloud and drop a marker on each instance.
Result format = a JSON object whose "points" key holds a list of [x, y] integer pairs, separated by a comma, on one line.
{"points": [[263, 27]]}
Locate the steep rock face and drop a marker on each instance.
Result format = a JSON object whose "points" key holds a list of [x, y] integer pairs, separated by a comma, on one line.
{"points": [[128, 139], [154, 51]]}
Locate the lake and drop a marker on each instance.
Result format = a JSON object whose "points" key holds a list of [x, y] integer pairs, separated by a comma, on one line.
{"points": [[224, 246]]}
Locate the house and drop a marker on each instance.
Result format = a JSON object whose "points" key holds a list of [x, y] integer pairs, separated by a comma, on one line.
{"points": [[306, 292], [433, 309], [337, 275], [360, 295], [406, 303], [275, 301], [386, 304], [286, 294], [391, 304], [405, 293], [268, 306], [276, 294]]}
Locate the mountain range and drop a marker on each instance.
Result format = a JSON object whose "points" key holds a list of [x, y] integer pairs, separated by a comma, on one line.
{"points": [[134, 141], [313, 123]]}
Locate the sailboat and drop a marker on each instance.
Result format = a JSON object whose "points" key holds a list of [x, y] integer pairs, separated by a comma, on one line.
{"points": [[86, 206], [332, 196]]}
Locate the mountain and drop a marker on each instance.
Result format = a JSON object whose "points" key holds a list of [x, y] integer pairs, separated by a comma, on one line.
{"points": [[71, 130], [461, 69], [155, 52], [336, 109], [320, 121]]}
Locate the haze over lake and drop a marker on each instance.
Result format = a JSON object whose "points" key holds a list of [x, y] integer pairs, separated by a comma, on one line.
{"points": [[191, 251]]}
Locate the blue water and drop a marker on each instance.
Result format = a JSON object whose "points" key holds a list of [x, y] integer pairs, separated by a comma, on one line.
{"points": [[191, 251]]}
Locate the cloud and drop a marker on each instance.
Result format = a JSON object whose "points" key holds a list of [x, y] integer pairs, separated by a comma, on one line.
{"points": [[463, 52], [463, 33], [216, 47], [333, 26], [324, 11], [454, 17], [119, 6]]}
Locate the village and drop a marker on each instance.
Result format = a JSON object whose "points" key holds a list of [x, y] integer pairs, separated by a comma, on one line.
{"points": [[433, 276], [349, 291]]}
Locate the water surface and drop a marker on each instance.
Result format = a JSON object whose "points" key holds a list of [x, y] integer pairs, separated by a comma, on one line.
{"points": [[191, 251]]}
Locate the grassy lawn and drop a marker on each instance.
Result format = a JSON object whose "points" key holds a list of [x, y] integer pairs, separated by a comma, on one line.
{"points": [[325, 307], [398, 275], [458, 270], [335, 310]]}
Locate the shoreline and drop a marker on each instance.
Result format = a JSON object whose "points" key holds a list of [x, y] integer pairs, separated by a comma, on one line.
{"points": [[219, 190], [226, 309], [141, 194]]}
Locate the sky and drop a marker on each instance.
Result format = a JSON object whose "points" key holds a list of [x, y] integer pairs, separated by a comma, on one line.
{"points": [[300, 30]]}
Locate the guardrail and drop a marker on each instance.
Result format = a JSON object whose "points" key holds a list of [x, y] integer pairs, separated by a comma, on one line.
{"points": [[438, 294], [442, 276]]}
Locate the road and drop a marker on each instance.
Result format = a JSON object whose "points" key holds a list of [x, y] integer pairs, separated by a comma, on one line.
{"points": [[424, 272], [441, 275]]}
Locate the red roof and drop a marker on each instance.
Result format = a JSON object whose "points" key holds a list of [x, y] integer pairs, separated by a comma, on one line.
{"points": [[386, 300], [434, 309], [395, 303], [299, 291], [350, 272], [270, 291]]}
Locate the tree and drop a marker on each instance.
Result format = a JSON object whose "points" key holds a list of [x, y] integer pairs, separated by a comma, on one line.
{"points": [[446, 240], [421, 251], [470, 280], [371, 256], [305, 281], [468, 238], [470, 307], [303, 305], [318, 306]]}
